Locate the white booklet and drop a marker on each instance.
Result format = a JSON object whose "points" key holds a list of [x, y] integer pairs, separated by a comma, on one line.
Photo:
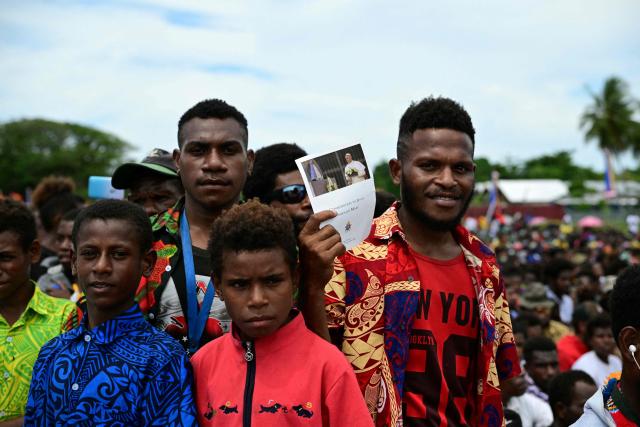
{"points": [[341, 180]]}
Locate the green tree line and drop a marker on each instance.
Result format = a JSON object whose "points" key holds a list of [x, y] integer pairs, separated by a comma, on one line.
{"points": [[34, 148]]}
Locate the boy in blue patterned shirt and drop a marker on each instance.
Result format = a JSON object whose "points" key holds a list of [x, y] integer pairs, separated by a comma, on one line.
{"points": [[115, 369]]}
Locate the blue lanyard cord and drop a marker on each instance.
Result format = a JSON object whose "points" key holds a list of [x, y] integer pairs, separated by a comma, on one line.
{"points": [[196, 319]]}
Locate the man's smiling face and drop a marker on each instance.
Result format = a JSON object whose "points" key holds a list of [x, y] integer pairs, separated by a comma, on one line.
{"points": [[437, 176]]}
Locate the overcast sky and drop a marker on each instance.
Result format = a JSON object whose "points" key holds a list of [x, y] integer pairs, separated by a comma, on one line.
{"points": [[320, 73]]}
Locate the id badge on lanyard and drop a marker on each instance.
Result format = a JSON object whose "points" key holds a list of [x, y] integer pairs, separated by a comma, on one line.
{"points": [[196, 317]]}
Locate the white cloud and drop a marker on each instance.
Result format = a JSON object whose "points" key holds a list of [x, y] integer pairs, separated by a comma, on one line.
{"points": [[321, 72]]}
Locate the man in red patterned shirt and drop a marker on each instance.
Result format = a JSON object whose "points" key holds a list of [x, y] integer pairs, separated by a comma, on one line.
{"points": [[419, 307]]}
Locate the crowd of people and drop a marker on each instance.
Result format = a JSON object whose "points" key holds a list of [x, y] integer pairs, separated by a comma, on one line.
{"points": [[213, 295]]}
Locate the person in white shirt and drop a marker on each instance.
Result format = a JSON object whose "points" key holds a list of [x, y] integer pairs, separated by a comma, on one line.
{"points": [[633, 223], [559, 275], [599, 362], [354, 171], [533, 411]]}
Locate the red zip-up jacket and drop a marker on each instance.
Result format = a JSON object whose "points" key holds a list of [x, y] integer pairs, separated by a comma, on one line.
{"points": [[290, 378]]}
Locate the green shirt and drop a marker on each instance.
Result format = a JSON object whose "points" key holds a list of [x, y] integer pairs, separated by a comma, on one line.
{"points": [[44, 318]]}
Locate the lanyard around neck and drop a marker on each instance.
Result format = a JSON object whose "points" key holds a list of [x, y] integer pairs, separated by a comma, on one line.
{"points": [[196, 318]]}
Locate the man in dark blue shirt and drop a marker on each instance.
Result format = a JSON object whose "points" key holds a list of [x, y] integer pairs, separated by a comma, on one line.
{"points": [[115, 369]]}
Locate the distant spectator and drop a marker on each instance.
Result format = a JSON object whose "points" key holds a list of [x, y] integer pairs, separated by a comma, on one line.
{"points": [[524, 327], [534, 325], [513, 282], [532, 411], [572, 346], [618, 402], [633, 224], [519, 335], [559, 276], [51, 199], [587, 285], [607, 287], [59, 280], [276, 181], [153, 183], [599, 362], [534, 300], [541, 365], [568, 393]]}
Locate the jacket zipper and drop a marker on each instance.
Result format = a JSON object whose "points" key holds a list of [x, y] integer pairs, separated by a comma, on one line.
{"points": [[247, 405]]}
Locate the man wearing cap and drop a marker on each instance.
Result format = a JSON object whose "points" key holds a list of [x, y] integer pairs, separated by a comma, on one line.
{"points": [[534, 300], [153, 183]]}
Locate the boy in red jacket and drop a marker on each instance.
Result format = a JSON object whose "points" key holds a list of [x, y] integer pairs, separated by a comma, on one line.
{"points": [[271, 370]]}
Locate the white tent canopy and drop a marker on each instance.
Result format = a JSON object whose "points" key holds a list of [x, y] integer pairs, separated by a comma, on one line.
{"points": [[529, 190]]}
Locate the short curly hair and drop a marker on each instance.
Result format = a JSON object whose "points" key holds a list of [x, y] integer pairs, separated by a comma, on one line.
{"points": [[433, 113], [16, 218], [625, 300], [117, 210], [537, 344], [213, 109], [252, 226], [270, 162]]}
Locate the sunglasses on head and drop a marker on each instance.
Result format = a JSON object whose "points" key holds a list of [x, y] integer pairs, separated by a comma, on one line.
{"points": [[289, 194]]}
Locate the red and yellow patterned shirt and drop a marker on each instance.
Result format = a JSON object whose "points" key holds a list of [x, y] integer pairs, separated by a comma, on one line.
{"points": [[371, 304]]}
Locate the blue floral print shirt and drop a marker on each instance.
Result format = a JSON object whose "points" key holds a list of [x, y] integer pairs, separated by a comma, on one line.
{"points": [[124, 372]]}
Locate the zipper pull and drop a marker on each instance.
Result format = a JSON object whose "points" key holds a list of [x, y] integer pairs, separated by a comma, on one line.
{"points": [[248, 354]]}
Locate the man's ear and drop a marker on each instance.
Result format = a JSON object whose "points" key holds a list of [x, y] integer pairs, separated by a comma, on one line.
{"points": [[395, 169], [216, 282], [148, 261], [34, 251], [74, 259], [629, 336], [251, 156], [176, 159]]}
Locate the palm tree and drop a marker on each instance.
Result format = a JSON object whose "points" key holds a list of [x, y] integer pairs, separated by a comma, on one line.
{"points": [[609, 120]]}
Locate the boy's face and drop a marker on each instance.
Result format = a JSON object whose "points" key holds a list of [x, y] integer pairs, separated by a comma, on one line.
{"points": [[257, 289], [15, 263], [109, 263]]}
